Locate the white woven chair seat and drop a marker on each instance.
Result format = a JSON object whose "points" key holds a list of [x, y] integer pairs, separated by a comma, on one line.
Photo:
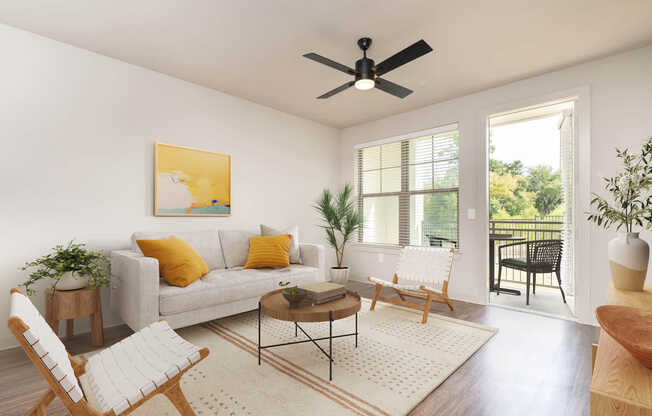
{"points": [[119, 376], [435, 287]]}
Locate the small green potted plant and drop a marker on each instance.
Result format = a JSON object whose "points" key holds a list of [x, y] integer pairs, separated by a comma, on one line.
{"points": [[341, 221], [68, 267], [630, 208], [292, 294]]}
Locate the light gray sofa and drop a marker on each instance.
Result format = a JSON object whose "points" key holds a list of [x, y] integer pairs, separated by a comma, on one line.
{"points": [[142, 297]]}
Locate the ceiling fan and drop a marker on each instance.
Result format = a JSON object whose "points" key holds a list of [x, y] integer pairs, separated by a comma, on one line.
{"points": [[367, 74]]}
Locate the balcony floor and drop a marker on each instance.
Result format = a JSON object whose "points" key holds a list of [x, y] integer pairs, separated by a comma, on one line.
{"points": [[547, 300]]}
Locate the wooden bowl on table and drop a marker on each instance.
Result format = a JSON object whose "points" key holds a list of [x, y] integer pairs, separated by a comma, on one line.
{"points": [[631, 327]]}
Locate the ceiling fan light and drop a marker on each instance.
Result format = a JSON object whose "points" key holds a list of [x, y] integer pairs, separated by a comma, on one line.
{"points": [[365, 84]]}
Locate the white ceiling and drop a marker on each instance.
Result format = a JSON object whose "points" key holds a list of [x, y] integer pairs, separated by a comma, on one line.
{"points": [[252, 49]]}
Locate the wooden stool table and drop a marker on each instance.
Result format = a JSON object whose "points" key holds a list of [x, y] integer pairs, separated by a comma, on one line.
{"points": [[274, 305], [71, 304]]}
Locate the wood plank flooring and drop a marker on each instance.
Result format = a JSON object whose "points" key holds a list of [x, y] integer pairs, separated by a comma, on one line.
{"points": [[533, 366]]}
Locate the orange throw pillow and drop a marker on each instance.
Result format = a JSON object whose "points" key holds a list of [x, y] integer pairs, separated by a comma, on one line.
{"points": [[271, 251], [179, 264]]}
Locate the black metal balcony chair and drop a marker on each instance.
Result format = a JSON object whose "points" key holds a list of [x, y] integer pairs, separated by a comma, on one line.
{"points": [[542, 256]]}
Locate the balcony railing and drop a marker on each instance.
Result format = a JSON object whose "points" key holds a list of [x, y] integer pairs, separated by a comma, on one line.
{"points": [[536, 229], [546, 228]]}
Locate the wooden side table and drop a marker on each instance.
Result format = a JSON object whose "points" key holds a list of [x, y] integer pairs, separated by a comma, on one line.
{"points": [[71, 304]]}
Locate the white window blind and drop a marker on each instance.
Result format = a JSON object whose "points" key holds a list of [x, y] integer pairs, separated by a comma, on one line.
{"points": [[408, 189]]}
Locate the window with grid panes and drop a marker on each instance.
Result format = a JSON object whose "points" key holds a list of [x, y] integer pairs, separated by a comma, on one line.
{"points": [[408, 190]]}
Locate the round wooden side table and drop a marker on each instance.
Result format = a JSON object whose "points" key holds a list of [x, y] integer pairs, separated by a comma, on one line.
{"points": [[71, 304]]}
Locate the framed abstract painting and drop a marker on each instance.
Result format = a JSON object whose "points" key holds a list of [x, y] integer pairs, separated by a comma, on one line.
{"points": [[191, 182]]}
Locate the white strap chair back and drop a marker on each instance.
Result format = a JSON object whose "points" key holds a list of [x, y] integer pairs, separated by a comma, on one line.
{"points": [[46, 344], [429, 265]]}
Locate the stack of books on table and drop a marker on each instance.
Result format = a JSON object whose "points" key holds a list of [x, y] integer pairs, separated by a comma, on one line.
{"points": [[322, 292]]}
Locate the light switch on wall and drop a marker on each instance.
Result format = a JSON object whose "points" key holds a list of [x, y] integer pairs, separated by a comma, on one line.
{"points": [[470, 213], [381, 257]]}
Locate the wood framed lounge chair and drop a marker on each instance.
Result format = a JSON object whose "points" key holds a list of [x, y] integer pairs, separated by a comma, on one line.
{"points": [[113, 382], [430, 270]]}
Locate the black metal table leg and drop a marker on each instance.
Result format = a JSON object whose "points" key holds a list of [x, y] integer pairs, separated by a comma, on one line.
{"points": [[297, 327], [492, 271], [330, 345], [258, 333]]}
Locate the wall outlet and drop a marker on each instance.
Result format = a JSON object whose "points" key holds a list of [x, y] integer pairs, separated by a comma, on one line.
{"points": [[470, 213], [381, 257]]}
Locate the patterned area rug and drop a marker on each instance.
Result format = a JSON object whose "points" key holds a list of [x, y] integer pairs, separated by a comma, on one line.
{"points": [[397, 363]]}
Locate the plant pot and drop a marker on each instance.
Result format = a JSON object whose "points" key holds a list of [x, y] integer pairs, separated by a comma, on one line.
{"points": [[339, 275], [294, 300], [628, 259], [72, 281]]}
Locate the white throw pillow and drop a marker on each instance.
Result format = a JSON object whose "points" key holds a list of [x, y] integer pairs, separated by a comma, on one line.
{"points": [[235, 245], [295, 254]]}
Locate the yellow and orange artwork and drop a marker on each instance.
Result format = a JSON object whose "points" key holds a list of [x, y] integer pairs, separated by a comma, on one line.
{"points": [[191, 182]]}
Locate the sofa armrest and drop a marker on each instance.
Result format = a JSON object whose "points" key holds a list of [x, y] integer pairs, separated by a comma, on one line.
{"points": [[136, 288], [313, 255]]}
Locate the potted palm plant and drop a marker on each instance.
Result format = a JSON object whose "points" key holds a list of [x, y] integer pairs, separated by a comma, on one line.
{"points": [[631, 207], [68, 268], [341, 221]]}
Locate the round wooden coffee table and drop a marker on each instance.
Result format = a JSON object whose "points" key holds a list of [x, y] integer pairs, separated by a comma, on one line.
{"points": [[274, 305]]}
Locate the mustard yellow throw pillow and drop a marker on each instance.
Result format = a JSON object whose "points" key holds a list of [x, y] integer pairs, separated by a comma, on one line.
{"points": [[178, 262], [271, 251]]}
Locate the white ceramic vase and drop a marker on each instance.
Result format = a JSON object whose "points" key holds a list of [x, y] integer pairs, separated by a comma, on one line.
{"points": [[339, 275], [72, 281], [628, 258]]}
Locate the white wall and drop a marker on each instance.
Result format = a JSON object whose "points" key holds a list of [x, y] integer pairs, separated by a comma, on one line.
{"points": [[78, 131], [620, 114]]}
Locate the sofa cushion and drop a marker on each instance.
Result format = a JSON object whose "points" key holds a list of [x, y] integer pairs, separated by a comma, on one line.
{"points": [[178, 263], [224, 286], [205, 242], [295, 253], [270, 251], [235, 246]]}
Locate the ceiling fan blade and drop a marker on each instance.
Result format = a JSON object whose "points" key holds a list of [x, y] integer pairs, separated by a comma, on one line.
{"points": [[408, 54], [336, 90], [328, 62], [391, 88]]}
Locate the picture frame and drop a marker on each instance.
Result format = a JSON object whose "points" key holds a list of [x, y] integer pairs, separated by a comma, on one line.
{"points": [[191, 182]]}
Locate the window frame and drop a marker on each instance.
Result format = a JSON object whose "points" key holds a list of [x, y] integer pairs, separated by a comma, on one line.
{"points": [[404, 194]]}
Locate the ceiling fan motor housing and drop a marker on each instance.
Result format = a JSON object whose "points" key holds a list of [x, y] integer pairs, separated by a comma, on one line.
{"points": [[364, 69], [367, 75]]}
